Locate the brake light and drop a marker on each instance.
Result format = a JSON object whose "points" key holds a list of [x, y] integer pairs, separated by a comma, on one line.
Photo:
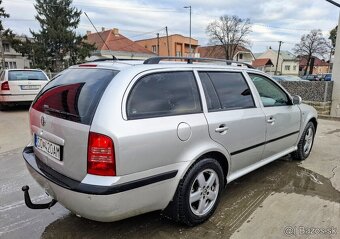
{"points": [[101, 156], [5, 86], [87, 65]]}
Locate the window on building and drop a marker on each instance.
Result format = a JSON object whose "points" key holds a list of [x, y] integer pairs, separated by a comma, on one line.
{"points": [[294, 68], [240, 56], [6, 65], [154, 48], [6, 47], [287, 68], [178, 53], [14, 65]]}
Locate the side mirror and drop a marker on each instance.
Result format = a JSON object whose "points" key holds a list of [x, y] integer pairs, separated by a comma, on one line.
{"points": [[297, 100]]}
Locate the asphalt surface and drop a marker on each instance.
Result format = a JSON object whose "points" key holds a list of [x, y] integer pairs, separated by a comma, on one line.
{"points": [[285, 199]]}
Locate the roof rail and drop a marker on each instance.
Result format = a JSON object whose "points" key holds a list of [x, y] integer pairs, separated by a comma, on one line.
{"points": [[190, 60]]}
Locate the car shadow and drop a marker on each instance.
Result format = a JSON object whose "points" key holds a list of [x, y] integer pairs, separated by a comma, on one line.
{"points": [[16, 108]]}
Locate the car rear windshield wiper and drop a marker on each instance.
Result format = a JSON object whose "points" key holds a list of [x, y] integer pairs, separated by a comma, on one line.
{"points": [[67, 114]]}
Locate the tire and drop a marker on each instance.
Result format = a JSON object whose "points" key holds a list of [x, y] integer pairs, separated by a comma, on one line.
{"points": [[196, 199], [306, 143], [2, 107]]}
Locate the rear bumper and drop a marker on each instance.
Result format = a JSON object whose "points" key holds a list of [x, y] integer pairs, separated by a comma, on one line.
{"points": [[103, 203], [17, 98]]}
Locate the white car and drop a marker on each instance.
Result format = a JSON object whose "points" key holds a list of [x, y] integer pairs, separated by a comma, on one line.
{"points": [[20, 85]]}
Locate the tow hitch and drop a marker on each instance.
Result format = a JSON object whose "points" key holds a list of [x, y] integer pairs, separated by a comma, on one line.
{"points": [[31, 205]]}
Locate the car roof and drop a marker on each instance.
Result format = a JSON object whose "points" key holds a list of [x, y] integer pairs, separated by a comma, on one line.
{"points": [[138, 64]]}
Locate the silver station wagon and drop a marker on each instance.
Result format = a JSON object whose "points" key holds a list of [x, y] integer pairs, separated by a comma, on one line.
{"points": [[114, 139]]}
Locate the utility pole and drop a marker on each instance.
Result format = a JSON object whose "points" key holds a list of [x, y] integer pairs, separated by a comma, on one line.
{"points": [[277, 59], [158, 44], [189, 31], [335, 108], [167, 39]]}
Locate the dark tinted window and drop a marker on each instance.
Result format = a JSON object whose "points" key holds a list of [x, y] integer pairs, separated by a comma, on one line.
{"points": [[26, 75], [270, 93], [232, 90], [211, 97], [164, 94], [74, 94]]}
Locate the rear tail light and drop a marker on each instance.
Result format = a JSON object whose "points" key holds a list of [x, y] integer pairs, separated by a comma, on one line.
{"points": [[101, 156], [5, 86]]}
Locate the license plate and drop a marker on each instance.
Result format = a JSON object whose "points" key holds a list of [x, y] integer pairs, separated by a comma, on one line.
{"points": [[30, 87], [47, 147]]}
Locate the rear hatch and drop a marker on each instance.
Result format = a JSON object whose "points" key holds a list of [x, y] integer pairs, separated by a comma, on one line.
{"points": [[61, 116], [26, 82]]}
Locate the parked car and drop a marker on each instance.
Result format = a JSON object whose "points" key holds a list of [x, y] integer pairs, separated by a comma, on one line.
{"points": [[287, 78], [111, 140], [327, 77], [311, 77], [18, 86]]}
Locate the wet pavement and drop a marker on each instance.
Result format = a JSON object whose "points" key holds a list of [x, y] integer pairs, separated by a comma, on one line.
{"points": [[261, 204]]}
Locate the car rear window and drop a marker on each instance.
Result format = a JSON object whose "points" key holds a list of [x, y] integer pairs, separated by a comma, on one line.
{"points": [[74, 94], [26, 75]]}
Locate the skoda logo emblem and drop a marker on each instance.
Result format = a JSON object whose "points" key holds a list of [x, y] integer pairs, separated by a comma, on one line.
{"points": [[42, 121]]}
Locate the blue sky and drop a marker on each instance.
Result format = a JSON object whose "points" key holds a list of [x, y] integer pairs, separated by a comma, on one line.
{"points": [[273, 20]]}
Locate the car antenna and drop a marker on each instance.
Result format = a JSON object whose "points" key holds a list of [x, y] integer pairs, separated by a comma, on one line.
{"points": [[113, 57]]}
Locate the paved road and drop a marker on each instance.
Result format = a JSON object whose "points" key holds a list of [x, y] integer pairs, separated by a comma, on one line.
{"points": [[284, 197]]}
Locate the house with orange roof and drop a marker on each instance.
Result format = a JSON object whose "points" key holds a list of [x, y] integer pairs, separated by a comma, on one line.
{"points": [[111, 43]]}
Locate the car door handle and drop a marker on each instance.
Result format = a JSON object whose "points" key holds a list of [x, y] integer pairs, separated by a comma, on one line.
{"points": [[222, 128], [271, 120]]}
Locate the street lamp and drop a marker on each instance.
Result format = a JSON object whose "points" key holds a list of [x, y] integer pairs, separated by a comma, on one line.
{"points": [[189, 30]]}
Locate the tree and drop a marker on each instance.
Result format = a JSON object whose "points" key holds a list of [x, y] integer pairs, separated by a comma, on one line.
{"points": [[56, 44], [311, 45], [230, 32], [3, 14], [3, 32], [332, 35]]}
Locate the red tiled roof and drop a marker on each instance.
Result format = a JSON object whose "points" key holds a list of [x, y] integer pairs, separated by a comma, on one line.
{"points": [[262, 62], [317, 61], [116, 42], [217, 51]]}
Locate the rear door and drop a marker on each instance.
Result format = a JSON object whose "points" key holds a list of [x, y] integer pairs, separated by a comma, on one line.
{"points": [[26, 82], [61, 116], [233, 117], [282, 117]]}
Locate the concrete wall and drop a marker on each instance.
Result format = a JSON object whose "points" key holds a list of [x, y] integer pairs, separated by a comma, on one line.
{"points": [[315, 93]]}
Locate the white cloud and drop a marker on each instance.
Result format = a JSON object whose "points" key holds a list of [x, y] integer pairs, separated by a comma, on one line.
{"points": [[274, 20]]}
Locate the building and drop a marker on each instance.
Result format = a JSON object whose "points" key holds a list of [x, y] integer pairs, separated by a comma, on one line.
{"points": [[13, 59], [288, 63], [173, 45], [264, 64], [320, 66], [242, 54], [111, 43]]}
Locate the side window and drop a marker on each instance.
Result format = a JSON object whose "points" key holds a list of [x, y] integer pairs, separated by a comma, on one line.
{"points": [[226, 91], [164, 94], [211, 97], [270, 93]]}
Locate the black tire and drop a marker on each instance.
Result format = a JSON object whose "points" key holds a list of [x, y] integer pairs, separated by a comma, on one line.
{"points": [[2, 107], [300, 154], [180, 208]]}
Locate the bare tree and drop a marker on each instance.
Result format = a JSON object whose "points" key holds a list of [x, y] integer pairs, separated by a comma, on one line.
{"points": [[311, 45], [230, 32]]}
